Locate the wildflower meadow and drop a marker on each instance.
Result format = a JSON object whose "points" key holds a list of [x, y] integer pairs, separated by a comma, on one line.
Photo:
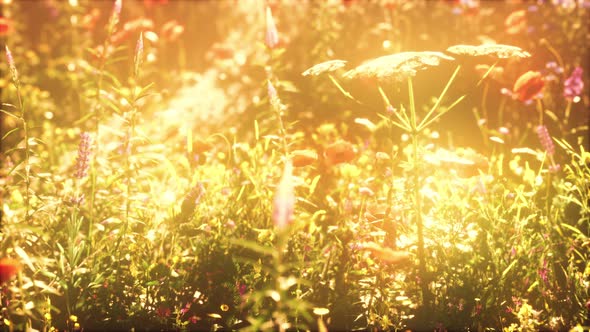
{"points": [[295, 165]]}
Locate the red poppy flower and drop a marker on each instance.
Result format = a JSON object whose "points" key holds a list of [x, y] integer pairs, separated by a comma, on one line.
{"points": [[339, 152], [516, 22], [301, 158], [5, 26], [200, 146], [221, 52], [528, 86], [8, 269]]}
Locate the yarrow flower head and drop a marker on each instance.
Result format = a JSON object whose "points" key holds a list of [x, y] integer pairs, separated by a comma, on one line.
{"points": [[574, 85], [272, 34], [284, 200], [397, 66], [83, 160]]}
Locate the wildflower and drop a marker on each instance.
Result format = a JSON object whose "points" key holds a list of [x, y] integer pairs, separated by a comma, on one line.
{"points": [[366, 191], [574, 85], [163, 311], [272, 35], [397, 66], [6, 26], [11, 65], [339, 152], [117, 8], [321, 311], [83, 160], [301, 158], [221, 52], [497, 50], [284, 200], [171, 30], [8, 269], [138, 59], [273, 97], [390, 109], [324, 67], [89, 20], [115, 16], [516, 22], [528, 86], [201, 146], [543, 272], [545, 139]]}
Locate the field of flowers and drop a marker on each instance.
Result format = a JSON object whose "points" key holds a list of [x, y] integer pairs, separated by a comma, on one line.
{"points": [[291, 165]]}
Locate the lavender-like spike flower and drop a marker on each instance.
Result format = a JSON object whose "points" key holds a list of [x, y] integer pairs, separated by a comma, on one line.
{"points": [[272, 92], [574, 85], [273, 96], [117, 7], [11, 65], [138, 54], [545, 139], [284, 200], [115, 16], [83, 160], [272, 35]]}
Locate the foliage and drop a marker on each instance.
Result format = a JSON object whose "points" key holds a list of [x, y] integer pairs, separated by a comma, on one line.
{"points": [[428, 182]]}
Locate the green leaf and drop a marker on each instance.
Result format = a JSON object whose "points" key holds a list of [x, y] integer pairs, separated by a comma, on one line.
{"points": [[25, 257], [509, 268], [253, 246]]}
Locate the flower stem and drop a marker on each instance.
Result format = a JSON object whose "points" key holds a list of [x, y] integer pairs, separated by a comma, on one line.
{"points": [[418, 200]]}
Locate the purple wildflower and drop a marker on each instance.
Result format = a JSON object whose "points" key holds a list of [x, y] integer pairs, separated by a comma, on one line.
{"points": [[83, 160], [573, 85], [543, 272], [138, 54], [117, 7], [272, 92], [284, 201], [272, 35], [11, 65], [545, 139], [390, 109]]}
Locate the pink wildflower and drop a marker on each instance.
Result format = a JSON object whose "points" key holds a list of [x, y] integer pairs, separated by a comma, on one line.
{"points": [[545, 139], [284, 200], [11, 65], [272, 35], [574, 85]]}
